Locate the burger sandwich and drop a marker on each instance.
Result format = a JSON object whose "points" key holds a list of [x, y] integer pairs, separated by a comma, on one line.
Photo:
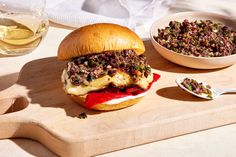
{"points": [[106, 68]]}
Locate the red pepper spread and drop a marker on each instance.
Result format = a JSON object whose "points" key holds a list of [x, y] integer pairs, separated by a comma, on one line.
{"points": [[107, 94]]}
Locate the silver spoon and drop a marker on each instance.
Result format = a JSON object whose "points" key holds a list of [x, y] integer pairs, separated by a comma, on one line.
{"points": [[215, 92]]}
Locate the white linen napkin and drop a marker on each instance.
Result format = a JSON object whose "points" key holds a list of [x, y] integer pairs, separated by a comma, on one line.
{"points": [[131, 13]]}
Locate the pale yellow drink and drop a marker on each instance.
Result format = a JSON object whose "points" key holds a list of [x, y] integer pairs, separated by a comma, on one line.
{"points": [[20, 33]]}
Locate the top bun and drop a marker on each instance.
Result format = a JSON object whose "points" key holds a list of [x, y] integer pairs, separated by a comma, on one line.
{"points": [[97, 38]]}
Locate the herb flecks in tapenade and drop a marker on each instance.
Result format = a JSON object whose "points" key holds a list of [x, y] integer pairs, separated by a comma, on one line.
{"points": [[196, 87], [202, 38], [82, 115], [84, 69]]}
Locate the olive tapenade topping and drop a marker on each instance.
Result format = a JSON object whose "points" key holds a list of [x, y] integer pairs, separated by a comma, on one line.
{"points": [[84, 69], [82, 115], [196, 87], [202, 38]]}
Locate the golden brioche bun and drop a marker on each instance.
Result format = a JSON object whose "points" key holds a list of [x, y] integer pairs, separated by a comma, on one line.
{"points": [[97, 38], [106, 107]]}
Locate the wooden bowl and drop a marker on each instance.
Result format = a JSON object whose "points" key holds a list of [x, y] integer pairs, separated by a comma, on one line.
{"points": [[191, 61]]}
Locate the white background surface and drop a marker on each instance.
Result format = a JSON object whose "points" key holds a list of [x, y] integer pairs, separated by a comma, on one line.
{"points": [[219, 142]]}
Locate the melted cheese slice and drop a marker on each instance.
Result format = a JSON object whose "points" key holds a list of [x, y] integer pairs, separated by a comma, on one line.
{"points": [[119, 79]]}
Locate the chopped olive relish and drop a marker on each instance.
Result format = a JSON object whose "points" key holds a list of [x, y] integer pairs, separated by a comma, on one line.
{"points": [[84, 69], [202, 38], [82, 115], [196, 87]]}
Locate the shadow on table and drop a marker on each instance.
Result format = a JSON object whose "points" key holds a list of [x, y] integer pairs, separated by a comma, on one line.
{"points": [[8, 80], [42, 80], [175, 93]]}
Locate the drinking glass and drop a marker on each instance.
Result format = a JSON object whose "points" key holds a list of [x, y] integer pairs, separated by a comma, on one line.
{"points": [[23, 24]]}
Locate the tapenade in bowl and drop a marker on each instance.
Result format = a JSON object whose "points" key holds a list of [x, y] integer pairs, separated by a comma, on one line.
{"points": [[198, 40]]}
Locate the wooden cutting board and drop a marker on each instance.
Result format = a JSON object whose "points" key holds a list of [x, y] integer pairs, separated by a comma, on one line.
{"points": [[36, 107]]}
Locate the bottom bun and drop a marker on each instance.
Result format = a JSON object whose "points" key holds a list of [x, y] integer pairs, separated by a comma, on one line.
{"points": [[106, 107]]}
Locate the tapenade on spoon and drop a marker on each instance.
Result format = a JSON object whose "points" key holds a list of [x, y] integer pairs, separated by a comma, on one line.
{"points": [[201, 89]]}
